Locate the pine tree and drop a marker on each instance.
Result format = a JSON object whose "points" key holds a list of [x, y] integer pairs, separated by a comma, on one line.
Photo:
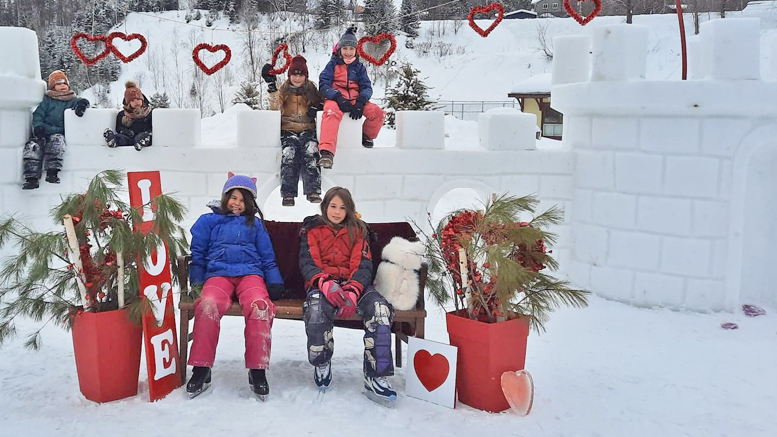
{"points": [[324, 11], [160, 100], [379, 16], [248, 94], [410, 93], [408, 20]]}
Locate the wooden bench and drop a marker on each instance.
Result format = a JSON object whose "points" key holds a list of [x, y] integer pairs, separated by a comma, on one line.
{"points": [[286, 241]]}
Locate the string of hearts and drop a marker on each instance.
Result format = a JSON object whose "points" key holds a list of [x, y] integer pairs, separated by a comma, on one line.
{"points": [[109, 47], [580, 19]]}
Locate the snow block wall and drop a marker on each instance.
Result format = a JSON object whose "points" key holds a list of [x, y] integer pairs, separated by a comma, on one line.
{"points": [[675, 182]]}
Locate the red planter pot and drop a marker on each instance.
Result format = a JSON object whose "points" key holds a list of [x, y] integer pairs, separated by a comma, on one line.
{"points": [[107, 349], [485, 351]]}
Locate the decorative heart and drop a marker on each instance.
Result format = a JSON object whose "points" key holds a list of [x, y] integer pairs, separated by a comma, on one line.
{"points": [[583, 21], [377, 40], [432, 370], [500, 14], [96, 38], [518, 388], [132, 57], [281, 48], [212, 49]]}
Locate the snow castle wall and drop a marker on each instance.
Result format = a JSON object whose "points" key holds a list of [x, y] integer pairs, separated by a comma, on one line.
{"points": [[674, 181]]}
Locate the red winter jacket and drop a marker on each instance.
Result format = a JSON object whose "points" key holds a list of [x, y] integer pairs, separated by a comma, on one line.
{"points": [[326, 253]]}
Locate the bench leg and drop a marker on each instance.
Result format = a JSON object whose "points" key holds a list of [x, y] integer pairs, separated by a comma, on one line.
{"points": [[183, 343], [398, 354], [419, 327]]}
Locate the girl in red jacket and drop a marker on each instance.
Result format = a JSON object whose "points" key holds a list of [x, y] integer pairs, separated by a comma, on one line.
{"points": [[336, 263]]}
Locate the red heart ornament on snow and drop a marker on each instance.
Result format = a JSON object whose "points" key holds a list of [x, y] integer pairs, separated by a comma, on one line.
{"points": [[212, 49], [281, 48], [432, 370], [518, 388], [377, 39], [583, 20], [94, 39], [500, 14], [130, 37]]}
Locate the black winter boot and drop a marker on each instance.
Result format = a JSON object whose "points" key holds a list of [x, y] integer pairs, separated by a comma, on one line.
{"points": [[30, 184], [199, 382], [327, 159], [110, 138], [258, 381], [366, 142], [52, 176]]}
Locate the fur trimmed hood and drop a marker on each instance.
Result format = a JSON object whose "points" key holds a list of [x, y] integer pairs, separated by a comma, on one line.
{"points": [[397, 276]]}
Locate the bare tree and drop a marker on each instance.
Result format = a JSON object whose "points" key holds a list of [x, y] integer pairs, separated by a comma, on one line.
{"points": [[546, 43], [251, 42], [222, 79]]}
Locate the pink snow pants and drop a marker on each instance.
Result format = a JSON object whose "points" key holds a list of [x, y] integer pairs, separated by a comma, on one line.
{"points": [[330, 123], [215, 300]]}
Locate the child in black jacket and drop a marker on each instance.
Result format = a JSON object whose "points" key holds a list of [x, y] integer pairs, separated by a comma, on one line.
{"points": [[133, 124]]}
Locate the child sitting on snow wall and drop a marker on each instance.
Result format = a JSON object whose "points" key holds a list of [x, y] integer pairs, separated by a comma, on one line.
{"points": [[347, 88], [133, 124], [48, 131], [232, 255], [336, 263], [299, 101]]}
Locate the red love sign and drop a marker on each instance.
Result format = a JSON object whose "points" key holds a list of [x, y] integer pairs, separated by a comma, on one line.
{"points": [[500, 14], [212, 49], [587, 19], [281, 48], [93, 39], [432, 370], [132, 36], [377, 40]]}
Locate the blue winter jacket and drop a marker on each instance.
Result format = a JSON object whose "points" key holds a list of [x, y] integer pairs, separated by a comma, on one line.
{"points": [[349, 80], [224, 245]]}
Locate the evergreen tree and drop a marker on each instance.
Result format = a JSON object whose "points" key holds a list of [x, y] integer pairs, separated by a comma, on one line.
{"points": [[379, 16], [160, 100], [410, 93], [248, 94], [408, 20], [324, 13]]}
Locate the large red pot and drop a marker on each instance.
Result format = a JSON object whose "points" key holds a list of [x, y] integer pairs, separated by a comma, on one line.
{"points": [[107, 349], [485, 351]]}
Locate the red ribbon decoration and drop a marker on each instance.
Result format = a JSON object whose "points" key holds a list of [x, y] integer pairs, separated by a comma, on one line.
{"points": [[376, 40], [132, 57], [86, 60], [281, 48], [500, 14], [583, 21], [212, 49]]}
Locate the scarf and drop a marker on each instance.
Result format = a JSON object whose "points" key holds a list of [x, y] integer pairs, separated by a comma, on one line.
{"points": [[61, 95], [349, 61], [130, 114]]}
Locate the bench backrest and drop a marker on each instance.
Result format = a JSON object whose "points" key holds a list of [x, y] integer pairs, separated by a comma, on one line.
{"points": [[286, 240]]}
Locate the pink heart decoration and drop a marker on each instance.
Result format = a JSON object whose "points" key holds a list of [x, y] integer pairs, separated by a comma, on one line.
{"points": [[518, 388]]}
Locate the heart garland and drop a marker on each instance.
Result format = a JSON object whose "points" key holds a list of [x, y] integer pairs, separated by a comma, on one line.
{"points": [[583, 20], [500, 14], [87, 60], [281, 48], [212, 49], [377, 39], [132, 36]]}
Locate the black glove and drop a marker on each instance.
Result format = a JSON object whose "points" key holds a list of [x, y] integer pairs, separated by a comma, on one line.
{"points": [[39, 133], [312, 112], [269, 78], [344, 104], [276, 291], [81, 107], [358, 108]]}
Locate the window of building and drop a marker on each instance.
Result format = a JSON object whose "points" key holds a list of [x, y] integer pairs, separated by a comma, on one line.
{"points": [[555, 5], [545, 6]]}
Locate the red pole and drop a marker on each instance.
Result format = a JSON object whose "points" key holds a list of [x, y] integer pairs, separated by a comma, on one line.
{"points": [[682, 38]]}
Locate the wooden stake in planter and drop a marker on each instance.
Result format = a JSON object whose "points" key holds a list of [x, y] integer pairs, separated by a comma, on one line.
{"points": [[465, 278], [120, 266], [75, 257]]}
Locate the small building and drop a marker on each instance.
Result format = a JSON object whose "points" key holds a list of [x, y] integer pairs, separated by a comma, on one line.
{"points": [[533, 94], [555, 8], [520, 14]]}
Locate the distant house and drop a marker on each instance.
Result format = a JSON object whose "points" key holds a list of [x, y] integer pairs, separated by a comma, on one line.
{"points": [[555, 8], [533, 94], [520, 14]]}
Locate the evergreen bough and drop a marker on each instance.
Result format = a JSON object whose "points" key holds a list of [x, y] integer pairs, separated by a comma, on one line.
{"points": [[410, 93]]}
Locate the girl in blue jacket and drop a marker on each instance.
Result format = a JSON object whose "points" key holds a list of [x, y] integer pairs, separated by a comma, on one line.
{"points": [[232, 255]]}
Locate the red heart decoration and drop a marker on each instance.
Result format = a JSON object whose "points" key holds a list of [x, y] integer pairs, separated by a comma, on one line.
{"points": [[500, 14], [86, 60], [376, 40], [432, 370], [212, 49], [281, 48], [518, 388], [583, 21], [132, 57]]}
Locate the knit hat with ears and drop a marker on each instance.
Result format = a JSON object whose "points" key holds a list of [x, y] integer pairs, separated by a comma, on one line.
{"points": [[348, 39], [56, 78], [131, 92], [298, 66], [240, 181]]}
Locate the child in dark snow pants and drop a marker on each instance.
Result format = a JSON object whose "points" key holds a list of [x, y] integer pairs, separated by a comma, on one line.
{"points": [[336, 264], [48, 131], [133, 124], [299, 101]]}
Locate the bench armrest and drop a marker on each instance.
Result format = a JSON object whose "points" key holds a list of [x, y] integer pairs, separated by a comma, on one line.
{"points": [[183, 275]]}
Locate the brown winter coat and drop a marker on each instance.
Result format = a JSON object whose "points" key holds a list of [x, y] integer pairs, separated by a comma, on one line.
{"points": [[294, 103]]}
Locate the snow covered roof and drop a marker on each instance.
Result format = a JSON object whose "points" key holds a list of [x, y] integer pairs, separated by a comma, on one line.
{"points": [[507, 14], [534, 2], [538, 84]]}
